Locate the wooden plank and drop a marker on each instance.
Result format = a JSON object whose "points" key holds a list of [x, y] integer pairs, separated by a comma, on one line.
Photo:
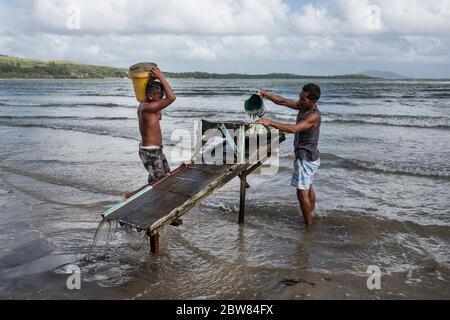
{"points": [[167, 195], [124, 203], [193, 201], [147, 209], [252, 168], [193, 180], [107, 214], [206, 125]]}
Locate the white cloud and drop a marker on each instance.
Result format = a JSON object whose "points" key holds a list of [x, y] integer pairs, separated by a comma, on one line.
{"points": [[207, 17], [400, 17], [315, 20], [235, 17], [238, 33]]}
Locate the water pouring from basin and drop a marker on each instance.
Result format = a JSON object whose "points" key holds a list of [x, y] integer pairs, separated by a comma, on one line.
{"points": [[255, 107]]}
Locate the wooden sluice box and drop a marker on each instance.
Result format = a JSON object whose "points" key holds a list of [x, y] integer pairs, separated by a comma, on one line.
{"points": [[224, 150]]}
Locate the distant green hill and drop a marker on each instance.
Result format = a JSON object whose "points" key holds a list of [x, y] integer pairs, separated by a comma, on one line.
{"points": [[205, 75], [383, 74], [17, 68]]}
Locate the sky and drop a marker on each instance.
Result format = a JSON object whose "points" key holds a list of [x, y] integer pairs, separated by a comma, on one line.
{"points": [[324, 37]]}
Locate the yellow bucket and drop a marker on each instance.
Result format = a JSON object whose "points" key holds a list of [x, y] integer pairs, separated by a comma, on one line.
{"points": [[140, 75]]}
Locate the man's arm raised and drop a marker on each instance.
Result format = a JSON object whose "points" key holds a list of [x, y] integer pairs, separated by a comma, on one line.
{"points": [[279, 99], [163, 103]]}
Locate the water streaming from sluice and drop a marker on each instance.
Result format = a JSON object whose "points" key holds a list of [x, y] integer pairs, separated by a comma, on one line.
{"points": [[100, 233], [105, 231]]}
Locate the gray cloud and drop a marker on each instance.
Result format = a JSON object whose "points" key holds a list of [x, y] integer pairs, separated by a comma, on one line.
{"points": [[235, 35]]}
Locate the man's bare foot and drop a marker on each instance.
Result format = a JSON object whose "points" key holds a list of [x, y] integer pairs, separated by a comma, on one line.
{"points": [[126, 196]]}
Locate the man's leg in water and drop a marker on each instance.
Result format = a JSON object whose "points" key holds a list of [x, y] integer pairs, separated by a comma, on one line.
{"points": [[312, 198], [305, 205]]}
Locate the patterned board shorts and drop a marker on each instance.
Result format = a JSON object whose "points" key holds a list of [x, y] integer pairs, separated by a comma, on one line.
{"points": [[304, 172], [155, 163]]}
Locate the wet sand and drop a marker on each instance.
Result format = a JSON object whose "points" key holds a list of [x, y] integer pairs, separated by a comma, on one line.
{"points": [[276, 259], [71, 150]]}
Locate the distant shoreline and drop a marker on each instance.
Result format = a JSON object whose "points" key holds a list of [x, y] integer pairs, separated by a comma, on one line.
{"points": [[19, 68], [33, 79], [262, 78], [13, 68]]}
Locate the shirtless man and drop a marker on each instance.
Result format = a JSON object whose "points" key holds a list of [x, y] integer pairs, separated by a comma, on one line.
{"points": [[149, 115]]}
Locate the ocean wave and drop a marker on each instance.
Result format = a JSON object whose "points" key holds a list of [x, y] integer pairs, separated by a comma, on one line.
{"points": [[366, 96], [62, 118], [438, 95], [101, 105], [394, 168], [68, 105], [193, 93], [341, 103], [332, 160], [65, 127], [400, 169], [127, 95], [428, 94], [446, 89], [181, 92], [61, 181], [184, 115], [288, 117], [375, 119], [390, 120], [201, 111]]}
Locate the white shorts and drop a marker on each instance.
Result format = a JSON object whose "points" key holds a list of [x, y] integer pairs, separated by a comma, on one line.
{"points": [[304, 172]]}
